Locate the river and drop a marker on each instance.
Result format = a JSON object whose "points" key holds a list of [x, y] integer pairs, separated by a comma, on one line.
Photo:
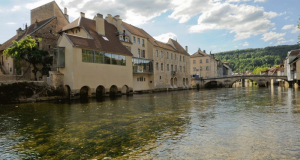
{"points": [[228, 123]]}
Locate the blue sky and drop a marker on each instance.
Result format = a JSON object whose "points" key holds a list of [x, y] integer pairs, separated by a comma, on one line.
{"points": [[212, 25]]}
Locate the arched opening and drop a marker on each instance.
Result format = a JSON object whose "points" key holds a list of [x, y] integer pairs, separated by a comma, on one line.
{"points": [[175, 81], [125, 89], [211, 84], [183, 82], [100, 91], [171, 82], [67, 91], [187, 81], [85, 92], [113, 91]]}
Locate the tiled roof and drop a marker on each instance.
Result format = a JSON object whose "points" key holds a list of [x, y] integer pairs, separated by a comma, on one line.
{"points": [[142, 33], [199, 53], [113, 44], [71, 25], [30, 30], [179, 48]]}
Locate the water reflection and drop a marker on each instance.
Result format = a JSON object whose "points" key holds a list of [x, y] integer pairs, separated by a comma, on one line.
{"points": [[231, 123]]}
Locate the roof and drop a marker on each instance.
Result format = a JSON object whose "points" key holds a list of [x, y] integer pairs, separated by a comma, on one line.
{"points": [[295, 59], [179, 48], [294, 52], [142, 33], [30, 30], [199, 53], [97, 42]]}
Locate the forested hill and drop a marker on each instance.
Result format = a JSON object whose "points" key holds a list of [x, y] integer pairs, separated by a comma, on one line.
{"points": [[249, 59]]}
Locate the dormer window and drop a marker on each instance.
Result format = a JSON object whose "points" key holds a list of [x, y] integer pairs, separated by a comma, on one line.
{"points": [[121, 38], [126, 39]]}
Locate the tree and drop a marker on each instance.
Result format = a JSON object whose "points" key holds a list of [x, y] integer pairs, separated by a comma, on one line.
{"points": [[27, 49]]}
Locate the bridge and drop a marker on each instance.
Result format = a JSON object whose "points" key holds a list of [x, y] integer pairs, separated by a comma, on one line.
{"points": [[228, 81]]}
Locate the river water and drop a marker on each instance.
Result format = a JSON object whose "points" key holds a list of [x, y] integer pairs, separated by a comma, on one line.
{"points": [[229, 123]]}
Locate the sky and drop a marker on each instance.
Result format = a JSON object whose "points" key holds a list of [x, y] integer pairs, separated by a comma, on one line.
{"points": [[211, 25]]}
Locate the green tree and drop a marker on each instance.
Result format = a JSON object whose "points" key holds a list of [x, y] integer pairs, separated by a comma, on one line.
{"points": [[27, 49]]}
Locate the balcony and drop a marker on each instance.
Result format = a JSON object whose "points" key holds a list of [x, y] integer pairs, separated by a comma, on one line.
{"points": [[140, 65]]}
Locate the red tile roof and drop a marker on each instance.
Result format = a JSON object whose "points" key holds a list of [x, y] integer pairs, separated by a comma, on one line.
{"points": [[113, 44], [199, 53]]}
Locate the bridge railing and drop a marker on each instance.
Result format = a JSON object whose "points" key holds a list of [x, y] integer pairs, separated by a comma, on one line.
{"points": [[241, 76]]}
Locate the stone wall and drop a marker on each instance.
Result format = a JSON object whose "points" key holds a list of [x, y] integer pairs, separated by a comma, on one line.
{"points": [[56, 79], [43, 12]]}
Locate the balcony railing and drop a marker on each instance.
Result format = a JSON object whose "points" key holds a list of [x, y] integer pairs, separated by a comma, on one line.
{"points": [[142, 65]]}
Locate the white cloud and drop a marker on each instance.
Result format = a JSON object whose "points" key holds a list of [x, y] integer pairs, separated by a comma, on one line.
{"points": [[10, 23], [165, 37], [290, 26], [274, 29], [295, 29], [15, 8], [273, 35], [243, 20], [246, 44], [255, 1]]}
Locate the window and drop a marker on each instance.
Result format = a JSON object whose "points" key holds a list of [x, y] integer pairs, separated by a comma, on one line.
{"points": [[143, 42], [183, 68], [49, 46], [172, 67], [143, 53], [200, 60], [167, 55], [161, 54], [194, 68], [207, 75], [139, 53], [138, 40], [58, 57], [87, 56], [50, 31], [194, 61], [206, 60], [176, 68], [171, 55], [138, 79], [126, 39], [100, 57], [175, 56], [121, 38], [159, 77], [162, 66], [180, 68], [200, 68], [133, 39], [183, 58], [156, 66], [207, 68], [156, 52], [107, 58], [180, 58], [168, 67]]}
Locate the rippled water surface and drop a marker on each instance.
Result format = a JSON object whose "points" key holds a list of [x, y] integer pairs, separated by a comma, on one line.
{"points": [[234, 123]]}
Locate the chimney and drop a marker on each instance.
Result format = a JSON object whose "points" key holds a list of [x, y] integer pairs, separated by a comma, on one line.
{"points": [[204, 51], [100, 24], [109, 19], [26, 26], [19, 32], [119, 22], [82, 14], [66, 13], [186, 49]]}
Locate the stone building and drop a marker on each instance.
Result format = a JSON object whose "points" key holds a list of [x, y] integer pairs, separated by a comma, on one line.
{"points": [[156, 65], [91, 60], [46, 21], [205, 65]]}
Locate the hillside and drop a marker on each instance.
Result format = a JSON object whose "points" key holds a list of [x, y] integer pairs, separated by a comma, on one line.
{"points": [[249, 59]]}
